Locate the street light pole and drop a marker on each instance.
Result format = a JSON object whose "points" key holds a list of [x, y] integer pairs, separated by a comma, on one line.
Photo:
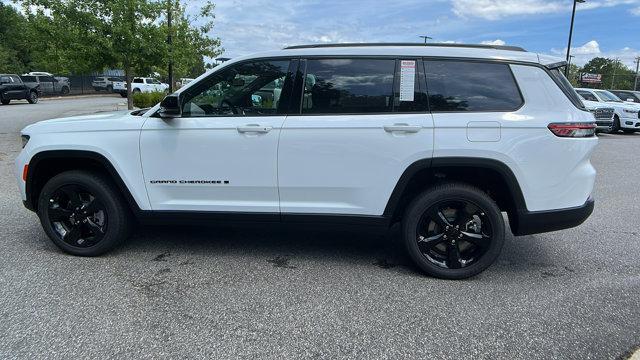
{"points": [[635, 83], [573, 16]]}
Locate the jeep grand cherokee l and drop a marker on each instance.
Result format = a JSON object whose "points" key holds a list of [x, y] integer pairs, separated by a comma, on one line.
{"points": [[443, 139]]}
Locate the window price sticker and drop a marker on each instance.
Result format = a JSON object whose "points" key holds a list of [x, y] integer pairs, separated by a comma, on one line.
{"points": [[407, 79]]}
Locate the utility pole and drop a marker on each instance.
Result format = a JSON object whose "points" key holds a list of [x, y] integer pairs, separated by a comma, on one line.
{"points": [[615, 67], [170, 43], [635, 83], [573, 16], [425, 37]]}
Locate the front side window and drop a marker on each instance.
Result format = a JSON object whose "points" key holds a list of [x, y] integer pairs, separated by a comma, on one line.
{"points": [[28, 78], [607, 96], [137, 81], [348, 86], [248, 89], [471, 86], [46, 79]]}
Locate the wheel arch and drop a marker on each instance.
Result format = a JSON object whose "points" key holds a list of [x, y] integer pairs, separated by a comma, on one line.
{"points": [[491, 176], [46, 164]]}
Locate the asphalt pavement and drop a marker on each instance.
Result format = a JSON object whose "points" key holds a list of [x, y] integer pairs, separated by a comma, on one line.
{"points": [[229, 292]]}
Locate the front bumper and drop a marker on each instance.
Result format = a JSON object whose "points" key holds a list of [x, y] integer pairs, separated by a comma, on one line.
{"points": [[535, 222]]}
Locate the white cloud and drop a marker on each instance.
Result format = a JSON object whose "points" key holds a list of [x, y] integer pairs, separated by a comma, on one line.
{"points": [[582, 54], [494, 42], [635, 11], [497, 9]]}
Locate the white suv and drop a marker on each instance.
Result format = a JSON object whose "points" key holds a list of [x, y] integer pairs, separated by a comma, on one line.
{"points": [[140, 85], [441, 138], [627, 115]]}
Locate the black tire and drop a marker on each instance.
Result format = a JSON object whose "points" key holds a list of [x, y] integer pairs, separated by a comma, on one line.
{"points": [[64, 90], [5, 101], [628, 131], [64, 216], [432, 254], [124, 95], [33, 97], [109, 88], [96, 89], [135, 91], [616, 125]]}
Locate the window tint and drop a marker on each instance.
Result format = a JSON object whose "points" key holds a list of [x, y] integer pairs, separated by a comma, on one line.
{"points": [[348, 86], [248, 89], [45, 78], [138, 81], [29, 78], [471, 86], [5, 80], [587, 95], [15, 79]]}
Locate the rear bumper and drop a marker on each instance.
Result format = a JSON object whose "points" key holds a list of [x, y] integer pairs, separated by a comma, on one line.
{"points": [[535, 222]]}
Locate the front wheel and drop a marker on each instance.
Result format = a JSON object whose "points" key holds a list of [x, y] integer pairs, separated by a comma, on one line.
{"points": [[64, 90], [453, 231], [5, 101], [83, 213], [616, 125], [33, 97]]}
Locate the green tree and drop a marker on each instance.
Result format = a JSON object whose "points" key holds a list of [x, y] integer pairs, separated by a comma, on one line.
{"points": [[15, 47], [82, 36], [614, 73]]}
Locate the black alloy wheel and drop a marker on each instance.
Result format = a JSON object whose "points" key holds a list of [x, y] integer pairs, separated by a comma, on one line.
{"points": [[77, 216], [454, 234], [453, 231], [33, 97], [84, 213]]}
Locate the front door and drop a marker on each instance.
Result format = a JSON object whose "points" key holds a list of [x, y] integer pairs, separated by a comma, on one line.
{"points": [[221, 155]]}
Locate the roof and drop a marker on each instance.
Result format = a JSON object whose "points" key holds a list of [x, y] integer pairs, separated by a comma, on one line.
{"points": [[472, 51]]}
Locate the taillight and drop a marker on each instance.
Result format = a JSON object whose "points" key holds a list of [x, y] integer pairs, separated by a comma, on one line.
{"points": [[25, 172], [573, 130]]}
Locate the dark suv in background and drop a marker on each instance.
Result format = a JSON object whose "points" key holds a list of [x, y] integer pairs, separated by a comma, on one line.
{"points": [[13, 88], [627, 95]]}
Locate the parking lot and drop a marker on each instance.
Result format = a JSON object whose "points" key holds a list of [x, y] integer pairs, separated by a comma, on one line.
{"points": [[186, 292]]}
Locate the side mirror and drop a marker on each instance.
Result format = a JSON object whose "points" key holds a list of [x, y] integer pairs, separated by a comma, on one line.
{"points": [[170, 107]]}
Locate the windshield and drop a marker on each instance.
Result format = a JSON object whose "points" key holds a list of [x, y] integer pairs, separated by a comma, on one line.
{"points": [[607, 96]]}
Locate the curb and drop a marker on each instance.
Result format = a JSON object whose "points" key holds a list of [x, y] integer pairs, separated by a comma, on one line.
{"points": [[78, 97]]}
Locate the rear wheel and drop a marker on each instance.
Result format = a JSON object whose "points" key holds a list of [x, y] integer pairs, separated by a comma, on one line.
{"points": [[83, 214], [109, 88], [64, 90], [453, 231], [33, 97], [5, 101]]}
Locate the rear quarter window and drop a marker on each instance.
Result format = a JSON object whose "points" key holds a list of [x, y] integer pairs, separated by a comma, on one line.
{"points": [[466, 86]]}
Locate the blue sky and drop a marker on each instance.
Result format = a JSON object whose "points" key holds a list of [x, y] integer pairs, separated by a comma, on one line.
{"points": [[603, 27]]}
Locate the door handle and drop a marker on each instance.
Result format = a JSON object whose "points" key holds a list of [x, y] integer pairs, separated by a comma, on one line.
{"points": [[254, 128], [406, 128]]}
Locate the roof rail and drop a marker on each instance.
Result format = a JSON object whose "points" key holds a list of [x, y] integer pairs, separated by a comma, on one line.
{"points": [[473, 46]]}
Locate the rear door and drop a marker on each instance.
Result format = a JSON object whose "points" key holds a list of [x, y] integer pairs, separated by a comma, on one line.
{"points": [[352, 134], [46, 84]]}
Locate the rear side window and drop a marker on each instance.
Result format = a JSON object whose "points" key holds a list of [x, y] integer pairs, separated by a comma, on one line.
{"points": [[471, 86], [348, 86], [567, 88], [138, 81], [29, 78], [587, 95]]}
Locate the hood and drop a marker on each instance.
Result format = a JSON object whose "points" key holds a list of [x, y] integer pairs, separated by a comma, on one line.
{"points": [[107, 121], [592, 105]]}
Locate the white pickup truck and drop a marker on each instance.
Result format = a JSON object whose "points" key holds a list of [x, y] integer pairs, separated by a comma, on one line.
{"points": [[140, 84]]}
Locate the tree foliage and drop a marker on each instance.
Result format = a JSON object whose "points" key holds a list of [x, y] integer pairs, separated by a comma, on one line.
{"points": [[614, 73], [84, 36]]}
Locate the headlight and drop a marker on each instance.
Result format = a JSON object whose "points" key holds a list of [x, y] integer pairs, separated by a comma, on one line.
{"points": [[25, 140]]}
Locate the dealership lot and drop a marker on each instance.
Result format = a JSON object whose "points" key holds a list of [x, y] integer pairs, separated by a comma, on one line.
{"points": [[254, 292]]}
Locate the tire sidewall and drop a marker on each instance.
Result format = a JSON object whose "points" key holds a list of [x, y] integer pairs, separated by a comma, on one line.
{"points": [[33, 98], [440, 194], [115, 223]]}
